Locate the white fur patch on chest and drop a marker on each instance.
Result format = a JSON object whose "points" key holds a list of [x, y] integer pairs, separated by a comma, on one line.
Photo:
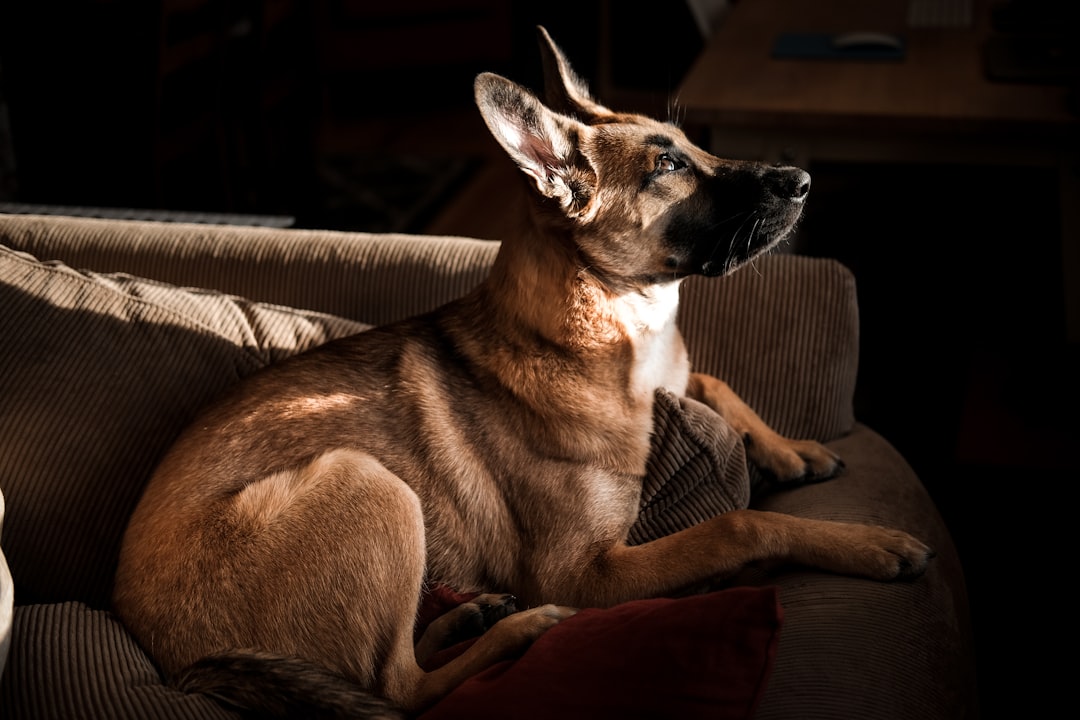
{"points": [[660, 358]]}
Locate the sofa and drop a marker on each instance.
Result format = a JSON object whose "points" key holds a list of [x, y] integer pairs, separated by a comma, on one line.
{"points": [[113, 333]]}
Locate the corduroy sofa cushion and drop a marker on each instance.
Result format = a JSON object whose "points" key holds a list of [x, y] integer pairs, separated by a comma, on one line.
{"points": [[370, 278], [696, 469], [784, 334], [98, 374], [72, 661]]}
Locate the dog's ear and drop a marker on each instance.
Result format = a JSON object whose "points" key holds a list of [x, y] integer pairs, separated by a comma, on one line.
{"points": [[543, 143], [564, 90]]}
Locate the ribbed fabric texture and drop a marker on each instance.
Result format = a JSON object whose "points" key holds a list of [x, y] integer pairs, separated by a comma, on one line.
{"points": [[74, 662], [853, 648], [98, 374], [696, 469], [374, 279], [784, 333]]}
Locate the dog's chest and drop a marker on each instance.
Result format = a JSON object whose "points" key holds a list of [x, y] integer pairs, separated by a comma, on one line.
{"points": [[659, 358]]}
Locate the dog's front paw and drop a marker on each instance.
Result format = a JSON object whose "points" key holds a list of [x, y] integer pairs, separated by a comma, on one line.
{"points": [[887, 554], [794, 461], [858, 550]]}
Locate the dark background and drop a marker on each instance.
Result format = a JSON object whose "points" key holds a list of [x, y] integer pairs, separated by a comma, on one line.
{"points": [[221, 105], [240, 107]]}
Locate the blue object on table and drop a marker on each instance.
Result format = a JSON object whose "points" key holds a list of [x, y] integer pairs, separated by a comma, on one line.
{"points": [[861, 45]]}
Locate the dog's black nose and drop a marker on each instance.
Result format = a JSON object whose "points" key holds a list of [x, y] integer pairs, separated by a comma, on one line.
{"points": [[789, 183]]}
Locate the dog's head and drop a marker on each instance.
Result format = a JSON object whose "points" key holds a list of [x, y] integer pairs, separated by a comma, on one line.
{"points": [[639, 201]]}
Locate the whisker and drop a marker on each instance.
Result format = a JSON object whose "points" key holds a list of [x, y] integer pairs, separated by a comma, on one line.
{"points": [[750, 237], [748, 213], [732, 261], [675, 111]]}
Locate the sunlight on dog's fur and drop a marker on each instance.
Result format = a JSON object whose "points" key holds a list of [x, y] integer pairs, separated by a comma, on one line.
{"points": [[496, 444]]}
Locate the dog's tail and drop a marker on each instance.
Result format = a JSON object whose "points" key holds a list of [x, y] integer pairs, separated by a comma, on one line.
{"points": [[264, 685]]}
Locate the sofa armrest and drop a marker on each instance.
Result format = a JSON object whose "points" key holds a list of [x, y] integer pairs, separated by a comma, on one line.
{"points": [[856, 648]]}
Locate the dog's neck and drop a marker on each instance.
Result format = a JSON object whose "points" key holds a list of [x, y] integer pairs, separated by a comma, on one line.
{"points": [[567, 346], [554, 295]]}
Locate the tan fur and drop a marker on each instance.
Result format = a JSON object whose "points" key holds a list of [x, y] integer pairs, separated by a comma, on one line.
{"points": [[496, 444]]}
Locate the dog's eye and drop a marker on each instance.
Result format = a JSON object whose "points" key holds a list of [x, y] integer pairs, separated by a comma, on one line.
{"points": [[665, 164]]}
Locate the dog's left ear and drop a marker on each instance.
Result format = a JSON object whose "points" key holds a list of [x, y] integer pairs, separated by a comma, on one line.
{"points": [[564, 90], [543, 143]]}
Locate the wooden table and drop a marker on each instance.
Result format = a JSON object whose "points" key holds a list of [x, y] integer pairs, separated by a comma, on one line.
{"points": [[935, 105]]}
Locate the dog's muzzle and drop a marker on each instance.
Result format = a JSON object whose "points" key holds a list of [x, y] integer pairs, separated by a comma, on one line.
{"points": [[753, 207]]}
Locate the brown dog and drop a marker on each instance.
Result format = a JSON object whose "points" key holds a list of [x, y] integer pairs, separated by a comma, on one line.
{"points": [[497, 443]]}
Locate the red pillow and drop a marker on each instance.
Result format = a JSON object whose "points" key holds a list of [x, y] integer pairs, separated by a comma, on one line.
{"points": [[704, 656]]}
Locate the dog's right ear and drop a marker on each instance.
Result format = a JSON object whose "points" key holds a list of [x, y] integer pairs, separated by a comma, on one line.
{"points": [[564, 90], [543, 143]]}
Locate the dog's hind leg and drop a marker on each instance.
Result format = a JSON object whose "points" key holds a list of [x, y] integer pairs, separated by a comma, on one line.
{"points": [[355, 539], [330, 563]]}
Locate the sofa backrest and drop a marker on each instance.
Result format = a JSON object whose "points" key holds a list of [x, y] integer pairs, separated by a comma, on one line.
{"points": [[100, 371]]}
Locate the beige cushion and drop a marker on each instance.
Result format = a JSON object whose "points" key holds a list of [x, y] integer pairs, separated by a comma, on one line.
{"points": [[98, 373], [71, 661], [372, 278]]}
